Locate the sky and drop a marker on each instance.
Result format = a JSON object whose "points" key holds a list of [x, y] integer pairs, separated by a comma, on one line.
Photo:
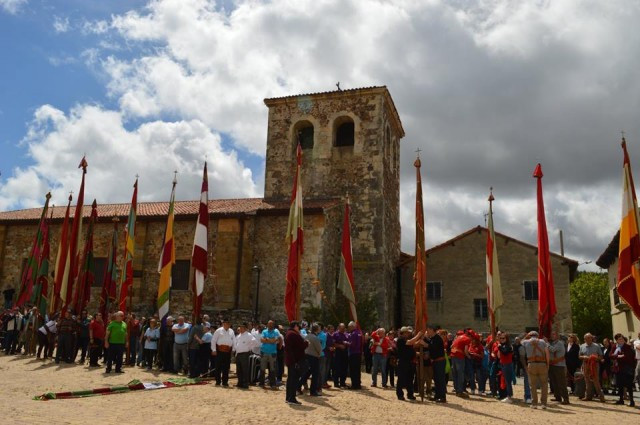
{"points": [[485, 88]]}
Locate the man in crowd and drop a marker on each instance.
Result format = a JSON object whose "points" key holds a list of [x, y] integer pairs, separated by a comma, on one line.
{"points": [[195, 340], [294, 355], [329, 350], [14, 325], [244, 343], [379, 350], [96, 339], [355, 355], [167, 338], [312, 355], [222, 343], [46, 338], [406, 367], [180, 345], [67, 330], [537, 353], [269, 350], [435, 345], [115, 341], [591, 354], [636, 346], [341, 357], [558, 369], [459, 348], [83, 336]]}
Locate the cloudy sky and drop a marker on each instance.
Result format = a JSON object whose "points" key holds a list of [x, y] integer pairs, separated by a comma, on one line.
{"points": [[485, 88]]}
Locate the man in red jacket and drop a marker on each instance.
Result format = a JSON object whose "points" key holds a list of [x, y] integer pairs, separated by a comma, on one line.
{"points": [[294, 358], [379, 348]]}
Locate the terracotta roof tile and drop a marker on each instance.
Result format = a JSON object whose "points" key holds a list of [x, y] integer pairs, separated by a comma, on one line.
{"points": [[159, 209]]}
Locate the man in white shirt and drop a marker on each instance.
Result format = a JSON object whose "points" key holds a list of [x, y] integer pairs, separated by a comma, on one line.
{"points": [[636, 346], [243, 347], [222, 343]]}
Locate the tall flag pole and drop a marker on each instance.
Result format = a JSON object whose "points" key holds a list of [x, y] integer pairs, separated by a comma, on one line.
{"points": [[546, 293], [61, 263], [41, 287], [72, 260], [30, 272], [294, 240], [200, 244], [167, 258], [420, 275], [494, 290], [126, 281], [108, 293], [628, 285], [86, 275], [346, 283]]}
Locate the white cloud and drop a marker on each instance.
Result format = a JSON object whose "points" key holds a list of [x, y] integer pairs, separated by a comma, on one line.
{"points": [[60, 24], [12, 6], [116, 154]]}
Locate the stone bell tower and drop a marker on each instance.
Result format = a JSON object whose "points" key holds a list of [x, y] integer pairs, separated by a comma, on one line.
{"points": [[351, 144]]}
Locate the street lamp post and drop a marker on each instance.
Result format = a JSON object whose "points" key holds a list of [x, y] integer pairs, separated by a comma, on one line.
{"points": [[257, 269]]}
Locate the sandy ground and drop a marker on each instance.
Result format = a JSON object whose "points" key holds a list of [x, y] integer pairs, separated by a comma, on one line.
{"points": [[25, 377]]}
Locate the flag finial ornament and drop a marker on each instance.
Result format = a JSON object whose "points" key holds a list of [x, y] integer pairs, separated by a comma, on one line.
{"points": [[537, 173], [491, 198], [83, 164]]}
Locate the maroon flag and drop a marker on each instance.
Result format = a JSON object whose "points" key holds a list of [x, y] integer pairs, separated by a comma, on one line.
{"points": [[71, 271], [546, 293], [420, 276], [346, 283], [200, 244], [294, 240], [30, 272], [87, 273]]}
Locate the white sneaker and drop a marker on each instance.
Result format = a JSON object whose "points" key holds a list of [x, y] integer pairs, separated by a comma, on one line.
{"points": [[507, 400], [483, 393], [528, 401]]}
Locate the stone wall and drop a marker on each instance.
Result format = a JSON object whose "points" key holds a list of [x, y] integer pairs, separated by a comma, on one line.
{"points": [[461, 268]]}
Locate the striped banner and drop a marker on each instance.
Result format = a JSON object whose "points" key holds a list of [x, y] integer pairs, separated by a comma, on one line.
{"points": [[346, 283], [126, 281], [200, 244], [295, 241], [167, 259]]}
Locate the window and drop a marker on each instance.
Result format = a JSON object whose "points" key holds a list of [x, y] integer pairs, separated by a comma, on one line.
{"points": [[303, 133], [530, 290], [480, 310], [180, 275], [345, 132], [99, 268], [434, 291]]}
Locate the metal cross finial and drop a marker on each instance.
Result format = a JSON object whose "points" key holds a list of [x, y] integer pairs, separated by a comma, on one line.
{"points": [[338, 86], [418, 152], [137, 176]]}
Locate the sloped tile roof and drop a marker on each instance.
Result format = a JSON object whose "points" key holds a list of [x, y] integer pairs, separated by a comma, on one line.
{"points": [[219, 207]]}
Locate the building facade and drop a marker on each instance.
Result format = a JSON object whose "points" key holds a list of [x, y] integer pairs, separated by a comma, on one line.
{"points": [[622, 318], [350, 141], [457, 291]]}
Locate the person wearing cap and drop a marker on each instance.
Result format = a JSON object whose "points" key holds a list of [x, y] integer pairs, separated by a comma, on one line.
{"points": [[355, 356], [243, 346], [558, 369], [406, 366], [222, 343], [537, 353], [435, 346]]}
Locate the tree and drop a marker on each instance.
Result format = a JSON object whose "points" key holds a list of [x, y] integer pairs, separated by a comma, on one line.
{"points": [[590, 306]]}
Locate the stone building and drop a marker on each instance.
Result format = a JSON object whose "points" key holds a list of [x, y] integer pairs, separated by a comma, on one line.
{"points": [[456, 284], [622, 318], [350, 141]]}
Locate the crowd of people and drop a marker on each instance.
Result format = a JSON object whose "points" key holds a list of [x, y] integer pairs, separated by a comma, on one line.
{"points": [[318, 357]]}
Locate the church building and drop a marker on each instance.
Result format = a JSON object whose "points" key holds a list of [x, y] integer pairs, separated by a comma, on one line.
{"points": [[350, 141]]}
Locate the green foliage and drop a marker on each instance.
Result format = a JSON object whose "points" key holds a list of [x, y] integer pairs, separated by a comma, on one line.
{"points": [[590, 307], [339, 312]]}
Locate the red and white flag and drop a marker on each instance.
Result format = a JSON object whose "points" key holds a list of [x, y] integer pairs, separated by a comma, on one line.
{"points": [[200, 244], [294, 240]]}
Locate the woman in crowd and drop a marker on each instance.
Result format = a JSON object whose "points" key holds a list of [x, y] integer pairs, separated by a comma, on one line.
{"points": [[505, 357], [392, 359], [605, 366], [572, 358], [151, 338], [624, 362]]}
